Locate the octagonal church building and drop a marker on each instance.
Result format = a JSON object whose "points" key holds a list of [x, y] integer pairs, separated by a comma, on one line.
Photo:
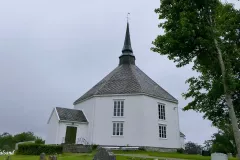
{"points": [[126, 108]]}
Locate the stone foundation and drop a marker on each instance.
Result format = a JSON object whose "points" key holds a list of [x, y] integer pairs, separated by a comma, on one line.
{"points": [[159, 149], [147, 148], [76, 148]]}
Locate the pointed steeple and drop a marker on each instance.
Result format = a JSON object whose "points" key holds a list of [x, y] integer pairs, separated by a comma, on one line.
{"points": [[127, 48], [127, 56]]}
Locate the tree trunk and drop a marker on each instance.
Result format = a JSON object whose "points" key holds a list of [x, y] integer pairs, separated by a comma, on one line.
{"points": [[228, 98]]}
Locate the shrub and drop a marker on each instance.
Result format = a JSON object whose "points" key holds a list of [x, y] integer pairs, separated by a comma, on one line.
{"points": [[39, 141], [193, 148], [141, 149], [37, 149], [181, 150], [206, 153], [94, 146]]}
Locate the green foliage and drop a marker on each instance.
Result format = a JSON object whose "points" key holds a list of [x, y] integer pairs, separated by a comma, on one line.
{"points": [[190, 27], [37, 149], [223, 141], [39, 141], [6, 148], [8, 141], [94, 146], [25, 136], [181, 150], [207, 145], [141, 149], [192, 148]]}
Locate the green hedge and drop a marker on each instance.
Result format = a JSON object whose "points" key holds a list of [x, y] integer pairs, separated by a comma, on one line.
{"points": [[37, 149]]}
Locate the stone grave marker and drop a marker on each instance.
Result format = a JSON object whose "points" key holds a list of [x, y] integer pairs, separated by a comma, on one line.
{"points": [[103, 154], [42, 156], [219, 156], [53, 157], [8, 158]]}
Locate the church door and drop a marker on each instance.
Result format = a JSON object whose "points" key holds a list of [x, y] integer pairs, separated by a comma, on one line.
{"points": [[71, 133]]}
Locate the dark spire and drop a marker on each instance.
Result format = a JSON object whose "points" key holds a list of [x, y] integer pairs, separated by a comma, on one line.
{"points": [[127, 56], [127, 48]]}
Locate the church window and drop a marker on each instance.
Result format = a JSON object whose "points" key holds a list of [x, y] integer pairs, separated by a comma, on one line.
{"points": [[117, 128], [118, 108], [161, 111], [162, 131]]}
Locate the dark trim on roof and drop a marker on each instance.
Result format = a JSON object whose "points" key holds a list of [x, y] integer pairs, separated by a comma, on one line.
{"points": [[182, 135], [135, 94], [71, 115]]}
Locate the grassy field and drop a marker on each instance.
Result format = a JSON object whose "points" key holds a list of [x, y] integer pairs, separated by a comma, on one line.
{"points": [[62, 157], [90, 156], [168, 155]]}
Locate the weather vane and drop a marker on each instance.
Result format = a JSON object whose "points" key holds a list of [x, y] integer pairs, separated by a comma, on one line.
{"points": [[128, 16]]}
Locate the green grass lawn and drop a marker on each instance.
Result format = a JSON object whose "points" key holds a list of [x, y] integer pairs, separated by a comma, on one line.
{"points": [[62, 157], [90, 156], [168, 155]]}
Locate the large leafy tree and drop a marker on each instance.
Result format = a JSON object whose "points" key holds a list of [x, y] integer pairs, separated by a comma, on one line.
{"points": [[8, 141], [24, 136], [205, 33], [223, 142], [192, 148]]}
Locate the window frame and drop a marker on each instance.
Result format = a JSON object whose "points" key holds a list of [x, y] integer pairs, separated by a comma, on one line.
{"points": [[118, 128], [118, 108], [161, 111], [162, 131]]}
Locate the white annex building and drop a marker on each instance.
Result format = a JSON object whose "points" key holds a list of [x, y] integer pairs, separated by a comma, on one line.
{"points": [[126, 108]]}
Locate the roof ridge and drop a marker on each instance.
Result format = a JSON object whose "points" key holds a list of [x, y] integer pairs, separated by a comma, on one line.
{"points": [[136, 77], [155, 83], [67, 108]]}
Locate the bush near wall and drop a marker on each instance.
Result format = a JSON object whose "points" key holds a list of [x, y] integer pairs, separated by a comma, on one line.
{"points": [[37, 149]]}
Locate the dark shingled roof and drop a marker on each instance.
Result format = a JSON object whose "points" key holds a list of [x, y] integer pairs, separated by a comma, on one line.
{"points": [[127, 79], [182, 135], [66, 114]]}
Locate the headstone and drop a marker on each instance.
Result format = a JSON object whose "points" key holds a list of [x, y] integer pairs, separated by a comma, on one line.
{"points": [[219, 156], [42, 156], [54, 157], [238, 155], [229, 155], [103, 154]]}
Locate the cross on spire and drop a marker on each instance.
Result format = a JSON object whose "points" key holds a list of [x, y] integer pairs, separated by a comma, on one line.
{"points": [[128, 16]]}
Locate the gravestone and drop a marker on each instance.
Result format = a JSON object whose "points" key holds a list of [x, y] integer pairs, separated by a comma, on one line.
{"points": [[42, 156], [103, 154], [8, 158], [219, 156], [229, 155], [54, 157]]}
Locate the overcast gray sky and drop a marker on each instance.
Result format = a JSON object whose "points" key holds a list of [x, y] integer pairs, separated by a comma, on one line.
{"points": [[51, 52]]}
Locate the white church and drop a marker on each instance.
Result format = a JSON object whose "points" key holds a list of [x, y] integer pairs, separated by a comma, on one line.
{"points": [[126, 108]]}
